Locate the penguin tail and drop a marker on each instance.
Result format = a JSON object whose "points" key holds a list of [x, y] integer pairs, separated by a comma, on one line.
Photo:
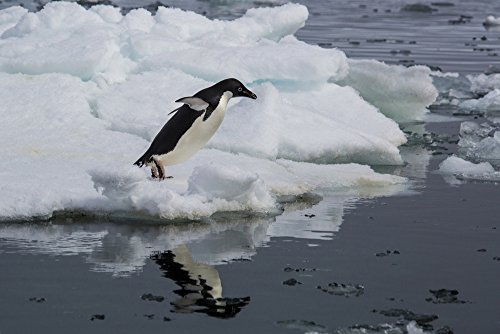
{"points": [[142, 160]]}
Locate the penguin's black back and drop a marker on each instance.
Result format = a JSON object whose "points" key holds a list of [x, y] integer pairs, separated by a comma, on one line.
{"points": [[171, 133]]}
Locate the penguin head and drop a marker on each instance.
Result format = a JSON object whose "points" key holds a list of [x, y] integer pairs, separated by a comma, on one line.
{"points": [[236, 88]]}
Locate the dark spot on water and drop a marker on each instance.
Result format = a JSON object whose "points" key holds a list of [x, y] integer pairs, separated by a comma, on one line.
{"points": [[326, 44], [407, 62], [166, 319], [417, 8], [443, 4], [445, 296], [376, 40], [290, 269], [87, 4], [152, 7], [37, 299], [387, 253], [149, 316], [302, 325], [341, 289], [354, 43], [463, 19], [150, 297], [496, 258], [481, 250], [362, 6], [310, 215], [484, 38], [291, 282], [375, 10], [97, 317]]}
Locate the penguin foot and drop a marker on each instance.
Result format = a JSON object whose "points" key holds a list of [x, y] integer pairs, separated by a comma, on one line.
{"points": [[154, 172]]}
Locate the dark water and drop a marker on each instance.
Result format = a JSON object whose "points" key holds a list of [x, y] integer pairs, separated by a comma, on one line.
{"points": [[227, 274]]}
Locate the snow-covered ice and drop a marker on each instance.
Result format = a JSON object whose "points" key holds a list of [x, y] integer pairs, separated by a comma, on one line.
{"points": [[455, 170], [478, 155], [489, 104], [482, 84], [479, 142], [492, 21], [84, 91], [454, 165], [406, 92]]}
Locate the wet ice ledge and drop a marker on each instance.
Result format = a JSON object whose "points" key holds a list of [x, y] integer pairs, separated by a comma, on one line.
{"points": [[100, 85]]}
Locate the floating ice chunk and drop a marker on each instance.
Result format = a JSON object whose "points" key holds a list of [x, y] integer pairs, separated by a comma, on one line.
{"points": [[451, 87], [490, 103], [486, 149], [479, 142], [492, 21], [472, 133], [401, 93], [100, 86], [482, 84], [413, 328], [456, 165]]}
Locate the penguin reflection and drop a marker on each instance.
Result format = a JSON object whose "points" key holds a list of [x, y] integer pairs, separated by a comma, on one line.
{"points": [[201, 288]]}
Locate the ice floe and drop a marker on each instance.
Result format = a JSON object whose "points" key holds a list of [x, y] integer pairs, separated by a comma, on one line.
{"points": [[489, 104], [479, 152], [84, 90], [491, 21], [480, 142]]}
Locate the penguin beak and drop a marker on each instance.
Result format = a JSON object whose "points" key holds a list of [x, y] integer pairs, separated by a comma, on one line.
{"points": [[249, 94]]}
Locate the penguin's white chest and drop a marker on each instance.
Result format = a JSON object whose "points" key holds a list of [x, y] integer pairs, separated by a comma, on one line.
{"points": [[198, 134]]}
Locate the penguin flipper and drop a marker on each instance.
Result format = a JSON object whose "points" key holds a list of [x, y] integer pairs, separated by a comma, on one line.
{"points": [[194, 103]]}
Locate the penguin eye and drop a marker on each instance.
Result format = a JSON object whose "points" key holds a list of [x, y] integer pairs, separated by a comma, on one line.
{"points": [[240, 89]]}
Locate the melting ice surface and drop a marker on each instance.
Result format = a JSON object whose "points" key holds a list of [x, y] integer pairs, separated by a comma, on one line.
{"points": [[84, 91]]}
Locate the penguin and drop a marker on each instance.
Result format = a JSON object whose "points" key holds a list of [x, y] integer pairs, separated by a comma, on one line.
{"points": [[191, 126]]}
